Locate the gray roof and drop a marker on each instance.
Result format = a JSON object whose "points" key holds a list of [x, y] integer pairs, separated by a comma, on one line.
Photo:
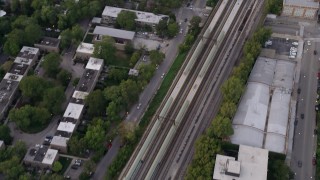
{"points": [[303, 3], [117, 33], [258, 121]]}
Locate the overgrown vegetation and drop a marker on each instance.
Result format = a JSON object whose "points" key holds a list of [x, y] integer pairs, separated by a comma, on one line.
{"points": [[274, 6]]}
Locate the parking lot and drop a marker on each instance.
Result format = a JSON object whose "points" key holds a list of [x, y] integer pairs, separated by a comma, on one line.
{"points": [[281, 45]]}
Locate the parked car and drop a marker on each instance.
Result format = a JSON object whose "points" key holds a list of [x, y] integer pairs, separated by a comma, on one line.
{"points": [[295, 43], [299, 164], [314, 161], [74, 166], [78, 162], [315, 52], [302, 116]]}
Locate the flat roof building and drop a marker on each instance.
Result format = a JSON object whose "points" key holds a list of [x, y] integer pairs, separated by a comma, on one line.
{"points": [[9, 84], [66, 126], [262, 116], [41, 156], [252, 164], [300, 8], [73, 111], [48, 44], [59, 143], [84, 50], [109, 15]]}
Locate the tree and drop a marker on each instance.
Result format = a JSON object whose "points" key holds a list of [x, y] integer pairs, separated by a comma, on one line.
{"points": [[32, 34], [76, 146], [112, 111], [105, 49], [128, 48], [202, 164], [13, 42], [77, 34], [64, 77], [228, 109], [14, 5], [7, 65], [195, 25], [222, 126], [96, 103], [54, 176], [53, 99], [33, 87], [278, 170], [28, 116], [212, 3], [134, 58], [51, 64], [66, 38], [127, 130], [11, 168], [5, 134], [57, 166], [146, 72], [173, 29], [156, 57], [126, 20], [117, 75], [274, 6], [232, 90], [95, 135], [161, 28], [129, 91]]}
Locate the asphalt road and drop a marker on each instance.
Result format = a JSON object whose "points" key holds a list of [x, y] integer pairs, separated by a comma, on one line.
{"points": [[304, 140], [150, 90]]}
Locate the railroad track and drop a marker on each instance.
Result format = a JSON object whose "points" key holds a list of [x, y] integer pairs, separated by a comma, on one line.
{"points": [[145, 164], [179, 155]]}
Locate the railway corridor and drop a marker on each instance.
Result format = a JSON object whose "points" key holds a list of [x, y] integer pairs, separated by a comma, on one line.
{"points": [[208, 56]]}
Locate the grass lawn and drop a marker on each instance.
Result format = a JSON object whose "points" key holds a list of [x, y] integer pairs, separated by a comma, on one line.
{"points": [[65, 164], [121, 60]]}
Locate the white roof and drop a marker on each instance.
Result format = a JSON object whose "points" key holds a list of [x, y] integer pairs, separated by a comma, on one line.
{"points": [[95, 64], [253, 165], [2, 13], [13, 77], [263, 71], [73, 110], [50, 156], [22, 60], [145, 17], [302, 3], [117, 33], [31, 50], [66, 126], [86, 48], [284, 73], [80, 94], [59, 141]]}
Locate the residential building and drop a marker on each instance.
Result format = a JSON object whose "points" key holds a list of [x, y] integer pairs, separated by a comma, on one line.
{"points": [[110, 14], [121, 37], [252, 164], [41, 156], [300, 8], [84, 51], [48, 44], [9, 84]]}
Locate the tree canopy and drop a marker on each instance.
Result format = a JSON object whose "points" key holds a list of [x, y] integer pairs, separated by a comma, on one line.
{"points": [[57, 166], [96, 103], [222, 126], [156, 57], [105, 49], [33, 87], [5, 134], [126, 20], [51, 64], [95, 135], [53, 99]]}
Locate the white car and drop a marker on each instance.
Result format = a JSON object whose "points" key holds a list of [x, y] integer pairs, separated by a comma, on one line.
{"points": [[162, 75], [309, 43], [139, 105], [293, 53], [181, 30], [292, 57], [269, 43], [295, 43]]}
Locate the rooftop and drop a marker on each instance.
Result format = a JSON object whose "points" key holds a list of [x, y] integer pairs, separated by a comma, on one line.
{"points": [[12, 77], [87, 81], [86, 48], [7, 90], [269, 79], [50, 156], [73, 111], [28, 52], [252, 164], [94, 64], [59, 141], [304, 3], [145, 17], [79, 95], [116, 33], [48, 41], [36, 153], [18, 69], [20, 60], [66, 126], [96, 20]]}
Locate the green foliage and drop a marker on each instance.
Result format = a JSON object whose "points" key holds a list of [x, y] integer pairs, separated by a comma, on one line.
{"points": [[6, 66], [212, 3], [126, 20], [195, 25], [11, 168], [75, 81], [274, 6], [96, 103], [52, 177], [173, 29], [71, 36], [161, 28], [33, 87], [222, 127], [95, 135], [64, 77], [146, 72], [105, 49], [117, 75], [156, 57], [278, 170], [5, 134], [127, 130], [202, 164], [53, 99], [30, 118], [76, 146], [232, 89], [51, 64], [134, 58], [57, 166], [228, 109], [128, 48]]}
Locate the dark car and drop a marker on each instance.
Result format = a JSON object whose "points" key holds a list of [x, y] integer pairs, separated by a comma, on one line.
{"points": [[314, 161], [302, 116], [315, 131], [315, 52], [299, 164], [299, 90], [74, 166], [186, 19]]}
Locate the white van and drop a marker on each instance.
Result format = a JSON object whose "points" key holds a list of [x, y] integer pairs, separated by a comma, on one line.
{"points": [[292, 57]]}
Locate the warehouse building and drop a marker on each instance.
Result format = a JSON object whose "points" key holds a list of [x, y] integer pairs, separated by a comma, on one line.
{"points": [[300, 8]]}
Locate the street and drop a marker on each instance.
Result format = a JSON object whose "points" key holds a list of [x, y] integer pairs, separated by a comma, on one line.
{"points": [[304, 140]]}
